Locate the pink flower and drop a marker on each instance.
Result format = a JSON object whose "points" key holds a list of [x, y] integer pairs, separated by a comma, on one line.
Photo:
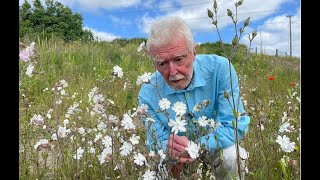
{"points": [[24, 55]]}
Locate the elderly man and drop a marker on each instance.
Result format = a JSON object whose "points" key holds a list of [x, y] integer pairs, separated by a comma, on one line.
{"points": [[194, 80]]}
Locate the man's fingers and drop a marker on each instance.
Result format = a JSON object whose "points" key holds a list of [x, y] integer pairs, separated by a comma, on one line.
{"points": [[185, 160], [175, 146], [182, 140]]}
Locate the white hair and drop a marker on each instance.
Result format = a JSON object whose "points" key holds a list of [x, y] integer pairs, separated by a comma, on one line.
{"points": [[165, 30]]}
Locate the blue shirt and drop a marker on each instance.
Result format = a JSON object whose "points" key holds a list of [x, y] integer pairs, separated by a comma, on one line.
{"points": [[211, 77]]}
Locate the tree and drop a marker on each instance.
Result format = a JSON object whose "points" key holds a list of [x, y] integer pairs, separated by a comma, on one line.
{"points": [[54, 19]]}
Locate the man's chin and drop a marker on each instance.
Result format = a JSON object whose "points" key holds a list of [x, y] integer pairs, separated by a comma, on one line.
{"points": [[178, 86]]}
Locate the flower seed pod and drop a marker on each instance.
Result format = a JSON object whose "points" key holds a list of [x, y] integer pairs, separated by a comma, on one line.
{"points": [[215, 5], [210, 14], [235, 40], [229, 12], [246, 22], [226, 94]]}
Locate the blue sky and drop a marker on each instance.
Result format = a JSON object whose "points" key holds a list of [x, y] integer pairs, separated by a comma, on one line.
{"points": [[110, 19]]}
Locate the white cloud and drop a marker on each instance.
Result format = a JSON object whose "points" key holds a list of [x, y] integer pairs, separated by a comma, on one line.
{"points": [[120, 21], [102, 36], [107, 4]]}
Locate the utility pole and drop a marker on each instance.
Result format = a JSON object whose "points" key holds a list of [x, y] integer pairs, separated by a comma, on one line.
{"points": [[290, 35]]}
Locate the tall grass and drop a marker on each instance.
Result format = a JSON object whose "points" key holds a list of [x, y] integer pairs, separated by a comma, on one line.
{"points": [[87, 65]]}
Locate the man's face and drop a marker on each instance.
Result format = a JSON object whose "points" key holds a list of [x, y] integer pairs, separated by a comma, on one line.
{"points": [[175, 63]]}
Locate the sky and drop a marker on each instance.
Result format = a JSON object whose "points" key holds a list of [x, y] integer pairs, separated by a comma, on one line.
{"points": [[111, 19]]}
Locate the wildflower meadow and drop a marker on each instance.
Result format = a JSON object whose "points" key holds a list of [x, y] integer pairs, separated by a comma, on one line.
{"points": [[79, 116]]}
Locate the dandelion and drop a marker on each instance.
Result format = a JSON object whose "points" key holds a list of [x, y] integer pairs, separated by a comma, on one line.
{"points": [[285, 143], [193, 149], [177, 125], [164, 104], [139, 159], [179, 108], [149, 175]]}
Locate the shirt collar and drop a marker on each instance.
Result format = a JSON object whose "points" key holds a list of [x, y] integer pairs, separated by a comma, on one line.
{"points": [[197, 81]]}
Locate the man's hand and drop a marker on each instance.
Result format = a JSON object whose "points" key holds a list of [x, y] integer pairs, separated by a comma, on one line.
{"points": [[176, 148]]}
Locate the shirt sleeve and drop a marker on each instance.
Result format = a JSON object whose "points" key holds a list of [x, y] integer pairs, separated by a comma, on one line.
{"points": [[156, 132], [224, 134]]}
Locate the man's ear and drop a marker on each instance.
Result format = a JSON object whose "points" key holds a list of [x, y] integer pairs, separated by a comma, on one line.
{"points": [[195, 49]]}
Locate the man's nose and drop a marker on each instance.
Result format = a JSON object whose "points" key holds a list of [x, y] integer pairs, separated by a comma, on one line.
{"points": [[172, 68]]}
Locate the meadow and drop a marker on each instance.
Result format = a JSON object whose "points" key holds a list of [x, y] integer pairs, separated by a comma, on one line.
{"points": [[78, 112]]}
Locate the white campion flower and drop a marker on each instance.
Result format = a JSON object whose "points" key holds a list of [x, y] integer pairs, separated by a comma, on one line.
{"points": [[113, 118], [81, 130], [54, 137], [285, 127], [164, 104], [142, 109], [144, 78], [285, 143], [211, 123], [179, 108], [117, 71], [126, 148], [78, 154], [98, 136], [149, 175], [139, 159], [98, 98], [284, 117], [151, 153], [107, 141], [92, 93], [63, 132], [64, 83], [29, 71], [41, 142], [177, 125], [134, 139], [104, 155], [127, 122], [161, 154], [193, 149], [37, 119], [102, 126], [141, 46], [203, 121]]}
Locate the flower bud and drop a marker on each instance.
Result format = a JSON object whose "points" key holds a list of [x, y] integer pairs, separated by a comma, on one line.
{"points": [[235, 40], [246, 22], [226, 94], [240, 2], [254, 34], [210, 14], [215, 5], [229, 12], [214, 22]]}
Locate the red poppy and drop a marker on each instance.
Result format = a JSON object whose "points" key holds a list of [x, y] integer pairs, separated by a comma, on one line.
{"points": [[271, 78], [293, 84]]}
